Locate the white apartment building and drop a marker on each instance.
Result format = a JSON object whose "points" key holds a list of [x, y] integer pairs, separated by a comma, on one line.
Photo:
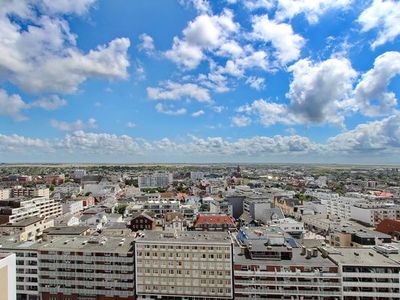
{"points": [[366, 274], [17, 209], [27, 277], [19, 191], [101, 189], [194, 176], [5, 194], [373, 213], [72, 207], [87, 267], [79, 173], [340, 207], [183, 265], [155, 180], [7, 276]]}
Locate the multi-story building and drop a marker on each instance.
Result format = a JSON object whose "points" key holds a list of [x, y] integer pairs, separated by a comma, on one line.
{"points": [[19, 191], [27, 277], [373, 213], [79, 173], [17, 209], [87, 268], [365, 273], [214, 223], [7, 276], [340, 207], [30, 228], [267, 266], [194, 176], [183, 265], [161, 207], [155, 180], [72, 207], [5, 194]]}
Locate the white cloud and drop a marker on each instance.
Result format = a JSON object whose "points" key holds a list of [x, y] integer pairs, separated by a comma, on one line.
{"points": [[16, 143], [146, 43], [319, 91], [50, 103], [241, 121], [169, 110], [44, 56], [73, 126], [78, 7], [256, 83], [257, 4], [218, 109], [287, 43], [268, 113], [312, 9], [383, 16], [198, 113], [371, 95], [381, 135], [130, 125], [204, 33], [176, 91], [12, 106]]}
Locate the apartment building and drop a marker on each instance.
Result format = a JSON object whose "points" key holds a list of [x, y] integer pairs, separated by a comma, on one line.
{"points": [[87, 268], [155, 180], [340, 207], [30, 228], [27, 277], [5, 194], [373, 213], [367, 274], [268, 265], [20, 191], [72, 207], [183, 265], [18, 209], [7, 276]]}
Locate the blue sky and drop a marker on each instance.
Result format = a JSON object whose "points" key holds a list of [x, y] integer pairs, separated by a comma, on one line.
{"points": [[200, 81]]}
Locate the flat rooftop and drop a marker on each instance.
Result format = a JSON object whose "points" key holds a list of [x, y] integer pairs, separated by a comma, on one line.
{"points": [[103, 244], [297, 259], [195, 237], [23, 223], [66, 230], [359, 257]]}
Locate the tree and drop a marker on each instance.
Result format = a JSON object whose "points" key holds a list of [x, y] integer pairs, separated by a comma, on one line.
{"points": [[121, 208]]}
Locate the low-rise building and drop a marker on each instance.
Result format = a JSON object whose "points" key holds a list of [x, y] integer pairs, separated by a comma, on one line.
{"points": [[142, 221], [214, 223], [28, 229]]}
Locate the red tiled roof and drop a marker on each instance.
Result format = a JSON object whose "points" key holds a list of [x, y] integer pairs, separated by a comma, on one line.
{"points": [[214, 219]]}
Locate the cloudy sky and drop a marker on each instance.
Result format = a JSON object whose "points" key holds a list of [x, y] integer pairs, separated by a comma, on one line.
{"points": [[200, 81]]}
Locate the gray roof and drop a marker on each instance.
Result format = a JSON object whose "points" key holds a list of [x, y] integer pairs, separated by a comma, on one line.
{"points": [[192, 237]]}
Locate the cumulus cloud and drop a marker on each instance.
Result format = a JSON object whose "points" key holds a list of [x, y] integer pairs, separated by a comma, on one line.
{"points": [[205, 32], [268, 113], [176, 91], [312, 10], [384, 16], [169, 110], [49, 103], [257, 4], [371, 95], [146, 43], [17, 143], [241, 121], [281, 35], [319, 91], [44, 56], [12, 106], [74, 126], [256, 83], [78, 7], [198, 113], [375, 136], [130, 125]]}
